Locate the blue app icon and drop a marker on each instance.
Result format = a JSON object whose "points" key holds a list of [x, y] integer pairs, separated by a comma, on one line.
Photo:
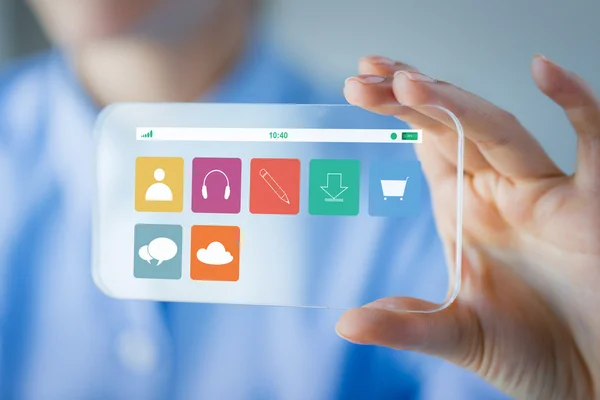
{"points": [[395, 188], [157, 251]]}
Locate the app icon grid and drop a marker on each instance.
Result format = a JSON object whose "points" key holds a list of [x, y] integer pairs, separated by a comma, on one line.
{"points": [[320, 187]]}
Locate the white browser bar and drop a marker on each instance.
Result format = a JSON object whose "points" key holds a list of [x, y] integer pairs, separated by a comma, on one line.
{"points": [[282, 135]]}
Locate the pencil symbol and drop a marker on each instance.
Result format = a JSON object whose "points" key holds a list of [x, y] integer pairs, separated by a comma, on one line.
{"points": [[274, 185]]}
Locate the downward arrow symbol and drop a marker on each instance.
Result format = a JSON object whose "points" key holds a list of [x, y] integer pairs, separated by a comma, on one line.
{"points": [[334, 187]]}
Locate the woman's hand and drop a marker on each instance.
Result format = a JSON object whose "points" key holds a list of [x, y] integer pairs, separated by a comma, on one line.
{"points": [[527, 318]]}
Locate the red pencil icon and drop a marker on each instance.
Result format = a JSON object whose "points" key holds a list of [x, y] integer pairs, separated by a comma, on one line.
{"points": [[274, 185]]}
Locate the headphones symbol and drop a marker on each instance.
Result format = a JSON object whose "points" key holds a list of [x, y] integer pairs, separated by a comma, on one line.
{"points": [[205, 189]]}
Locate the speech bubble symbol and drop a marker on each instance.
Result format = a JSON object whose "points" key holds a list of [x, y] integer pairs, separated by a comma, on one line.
{"points": [[144, 255], [162, 249]]}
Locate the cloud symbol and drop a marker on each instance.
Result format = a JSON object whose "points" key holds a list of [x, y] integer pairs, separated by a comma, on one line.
{"points": [[214, 254]]}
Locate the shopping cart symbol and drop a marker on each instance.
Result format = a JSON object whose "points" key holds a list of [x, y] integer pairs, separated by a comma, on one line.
{"points": [[394, 188]]}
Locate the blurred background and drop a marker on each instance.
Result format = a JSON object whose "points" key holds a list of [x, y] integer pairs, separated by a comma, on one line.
{"points": [[483, 46]]}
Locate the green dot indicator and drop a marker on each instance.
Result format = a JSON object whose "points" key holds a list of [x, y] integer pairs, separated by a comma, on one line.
{"points": [[393, 136]]}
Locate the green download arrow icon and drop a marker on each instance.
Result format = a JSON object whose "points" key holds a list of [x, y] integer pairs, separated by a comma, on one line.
{"points": [[334, 187]]}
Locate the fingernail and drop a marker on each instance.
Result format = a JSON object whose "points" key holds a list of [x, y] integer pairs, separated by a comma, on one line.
{"points": [[366, 79], [415, 76], [340, 334], [382, 304], [382, 60], [543, 58], [346, 338]]}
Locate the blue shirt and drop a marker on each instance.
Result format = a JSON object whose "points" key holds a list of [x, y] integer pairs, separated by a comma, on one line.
{"points": [[61, 338]]}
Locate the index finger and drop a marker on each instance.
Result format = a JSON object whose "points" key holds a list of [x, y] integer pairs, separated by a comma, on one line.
{"points": [[502, 140]]}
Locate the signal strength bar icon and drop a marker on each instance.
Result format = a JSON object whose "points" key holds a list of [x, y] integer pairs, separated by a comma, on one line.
{"points": [[148, 135]]}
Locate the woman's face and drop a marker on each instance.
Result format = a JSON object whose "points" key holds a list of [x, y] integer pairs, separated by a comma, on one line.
{"points": [[73, 23]]}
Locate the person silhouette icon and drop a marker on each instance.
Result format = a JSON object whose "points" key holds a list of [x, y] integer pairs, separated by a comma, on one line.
{"points": [[159, 191]]}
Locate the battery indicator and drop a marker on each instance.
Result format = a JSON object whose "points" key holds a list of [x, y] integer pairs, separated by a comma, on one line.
{"points": [[410, 136]]}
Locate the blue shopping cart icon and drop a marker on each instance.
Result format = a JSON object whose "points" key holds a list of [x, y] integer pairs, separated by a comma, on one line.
{"points": [[395, 188]]}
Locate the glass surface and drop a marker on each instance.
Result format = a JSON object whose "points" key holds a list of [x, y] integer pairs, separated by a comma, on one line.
{"points": [[289, 205]]}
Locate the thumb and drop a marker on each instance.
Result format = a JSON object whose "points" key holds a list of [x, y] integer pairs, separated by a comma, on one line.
{"points": [[452, 334]]}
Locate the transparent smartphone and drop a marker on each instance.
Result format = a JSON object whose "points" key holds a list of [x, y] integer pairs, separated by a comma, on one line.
{"points": [[264, 204]]}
